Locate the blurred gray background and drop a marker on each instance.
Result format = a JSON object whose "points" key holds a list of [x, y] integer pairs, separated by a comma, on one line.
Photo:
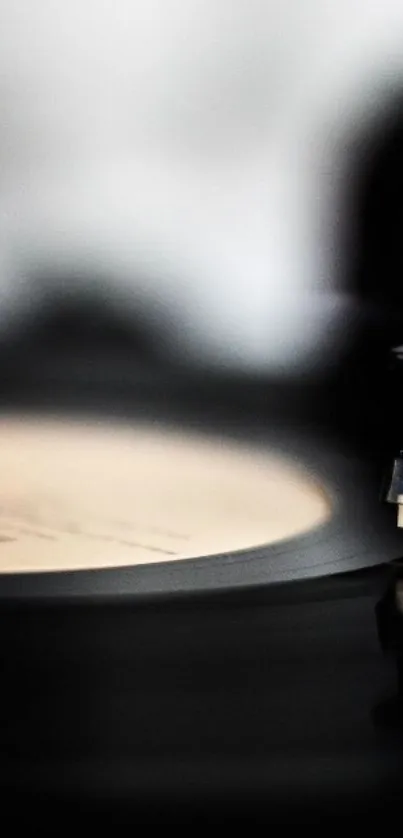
{"points": [[178, 173]]}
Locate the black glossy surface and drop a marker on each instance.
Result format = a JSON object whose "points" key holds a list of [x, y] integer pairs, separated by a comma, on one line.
{"points": [[221, 703]]}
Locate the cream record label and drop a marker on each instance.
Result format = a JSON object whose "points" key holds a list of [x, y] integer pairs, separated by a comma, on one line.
{"points": [[82, 495]]}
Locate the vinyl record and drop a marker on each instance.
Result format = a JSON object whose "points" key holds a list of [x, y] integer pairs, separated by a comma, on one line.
{"points": [[105, 508]]}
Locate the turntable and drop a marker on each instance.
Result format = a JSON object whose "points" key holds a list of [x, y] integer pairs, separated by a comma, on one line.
{"points": [[189, 575]]}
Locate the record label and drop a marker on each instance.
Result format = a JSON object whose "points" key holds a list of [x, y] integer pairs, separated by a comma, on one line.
{"points": [[86, 495]]}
